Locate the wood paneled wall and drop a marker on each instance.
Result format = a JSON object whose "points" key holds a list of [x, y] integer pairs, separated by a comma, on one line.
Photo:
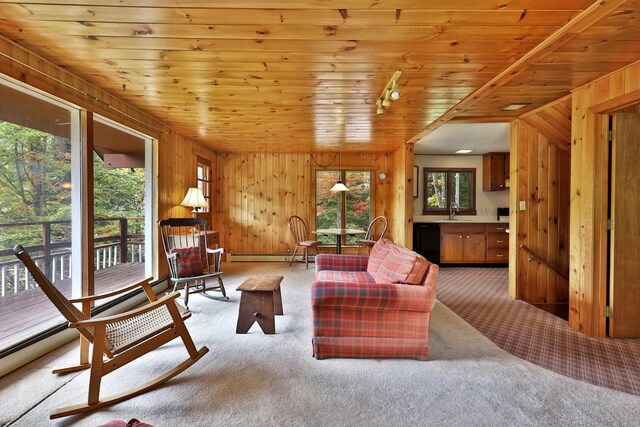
{"points": [[255, 194], [540, 177], [588, 213]]}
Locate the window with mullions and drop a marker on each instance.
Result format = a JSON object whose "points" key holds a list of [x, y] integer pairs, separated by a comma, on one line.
{"points": [[204, 181], [349, 209], [445, 187]]}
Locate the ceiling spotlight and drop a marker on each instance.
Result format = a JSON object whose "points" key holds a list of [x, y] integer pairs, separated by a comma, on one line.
{"points": [[395, 91], [386, 102], [390, 93], [464, 151]]}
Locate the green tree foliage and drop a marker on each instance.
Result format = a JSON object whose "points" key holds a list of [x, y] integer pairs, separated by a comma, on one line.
{"points": [[436, 190], [35, 186], [34, 173], [117, 193], [459, 189]]}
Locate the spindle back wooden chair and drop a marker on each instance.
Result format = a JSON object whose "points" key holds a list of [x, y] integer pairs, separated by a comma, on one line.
{"points": [[191, 261], [376, 230], [301, 235]]}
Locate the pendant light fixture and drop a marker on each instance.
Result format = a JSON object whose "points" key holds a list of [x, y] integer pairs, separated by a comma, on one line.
{"points": [[339, 186]]}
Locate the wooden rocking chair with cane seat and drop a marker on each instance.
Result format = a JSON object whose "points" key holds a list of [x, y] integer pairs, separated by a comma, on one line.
{"points": [[191, 261], [119, 339], [300, 234], [376, 230]]}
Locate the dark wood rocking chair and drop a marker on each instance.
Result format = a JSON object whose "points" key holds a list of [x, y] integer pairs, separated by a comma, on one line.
{"points": [[119, 339], [191, 260]]}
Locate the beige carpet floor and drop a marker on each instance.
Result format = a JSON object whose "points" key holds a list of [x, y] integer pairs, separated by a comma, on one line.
{"points": [[273, 380]]}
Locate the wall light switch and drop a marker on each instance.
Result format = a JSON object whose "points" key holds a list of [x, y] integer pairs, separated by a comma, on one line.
{"points": [[523, 205]]}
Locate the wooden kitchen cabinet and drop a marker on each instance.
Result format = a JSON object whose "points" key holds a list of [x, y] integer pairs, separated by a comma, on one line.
{"points": [[497, 243], [479, 243], [462, 243], [495, 171]]}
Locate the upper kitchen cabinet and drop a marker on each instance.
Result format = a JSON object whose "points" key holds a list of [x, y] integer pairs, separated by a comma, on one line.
{"points": [[495, 171]]}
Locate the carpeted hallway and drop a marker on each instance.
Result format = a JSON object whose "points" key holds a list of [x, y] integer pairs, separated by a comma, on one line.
{"points": [[480, 296], [273, 380]]}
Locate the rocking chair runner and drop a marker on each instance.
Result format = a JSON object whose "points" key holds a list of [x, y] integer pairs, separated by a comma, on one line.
{"points": [[189, 256], [118, 339]]}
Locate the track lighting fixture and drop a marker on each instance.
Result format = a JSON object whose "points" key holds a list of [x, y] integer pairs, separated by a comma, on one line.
{"points": [[391, 92]]}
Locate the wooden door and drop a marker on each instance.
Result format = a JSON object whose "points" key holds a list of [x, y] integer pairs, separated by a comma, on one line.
{"points": [[451, 247], [624, 261], [475, 247]]}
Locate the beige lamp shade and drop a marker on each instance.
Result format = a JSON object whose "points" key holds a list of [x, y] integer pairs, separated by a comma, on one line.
{"points": [[338, 186], [194, 199]]}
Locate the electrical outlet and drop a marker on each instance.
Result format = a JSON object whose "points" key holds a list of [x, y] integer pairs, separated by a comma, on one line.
{"points": [[523, 205]]}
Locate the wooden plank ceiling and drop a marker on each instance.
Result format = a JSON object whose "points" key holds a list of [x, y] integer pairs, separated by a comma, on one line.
{"points": [[301, 75]]}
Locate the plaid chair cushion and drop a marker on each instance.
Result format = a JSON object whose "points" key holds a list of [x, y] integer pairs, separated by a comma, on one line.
{"points": [[419, 269], [344, 276], [188, 262], [396, 267], [378, 254]]}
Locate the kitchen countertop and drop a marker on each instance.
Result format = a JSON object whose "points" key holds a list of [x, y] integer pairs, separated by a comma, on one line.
{"points": [[462, 219]]}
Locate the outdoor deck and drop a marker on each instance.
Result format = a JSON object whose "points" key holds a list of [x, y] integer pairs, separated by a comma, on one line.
{"points": [[29, 312]]}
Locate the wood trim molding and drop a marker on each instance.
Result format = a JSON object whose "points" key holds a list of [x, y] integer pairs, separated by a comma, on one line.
{"points": [[545, 107], [623, 101]]}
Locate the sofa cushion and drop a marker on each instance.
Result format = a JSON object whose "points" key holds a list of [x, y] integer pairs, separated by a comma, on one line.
{"points": [[344, 276], [187, 262], [395, 268], [378, 253], [420, 266]]}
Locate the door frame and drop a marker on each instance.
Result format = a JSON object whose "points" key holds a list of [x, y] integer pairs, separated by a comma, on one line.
{"points": [[601, 112]]}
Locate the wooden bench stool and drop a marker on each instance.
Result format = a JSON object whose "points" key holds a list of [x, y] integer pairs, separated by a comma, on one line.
{"points": [[261, 300]]}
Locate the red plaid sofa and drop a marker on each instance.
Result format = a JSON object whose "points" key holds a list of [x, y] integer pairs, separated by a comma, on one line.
{"points": [[375, 306]]}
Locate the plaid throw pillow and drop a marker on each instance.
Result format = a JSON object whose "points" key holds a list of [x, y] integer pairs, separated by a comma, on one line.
{"points": [[188, 262]]}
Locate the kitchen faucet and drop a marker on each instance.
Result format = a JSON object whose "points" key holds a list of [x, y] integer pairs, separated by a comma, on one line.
{"points": [[453, 209]]}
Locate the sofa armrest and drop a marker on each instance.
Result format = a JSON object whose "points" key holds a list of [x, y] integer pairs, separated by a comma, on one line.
{"points": [[373, 296], [341, 262]]}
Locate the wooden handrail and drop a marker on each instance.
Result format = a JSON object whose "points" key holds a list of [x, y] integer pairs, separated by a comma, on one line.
{"points": [[541, 260]]}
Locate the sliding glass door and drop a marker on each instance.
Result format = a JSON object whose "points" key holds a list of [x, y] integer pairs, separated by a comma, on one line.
{"points": [[39, 173], [41, 207]]}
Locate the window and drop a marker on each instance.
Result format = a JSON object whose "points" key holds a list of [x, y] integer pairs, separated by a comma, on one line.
{"points": [[39, 168], [42, 206], [350, 209], [446, 186], [204, 181], [121, 201]]}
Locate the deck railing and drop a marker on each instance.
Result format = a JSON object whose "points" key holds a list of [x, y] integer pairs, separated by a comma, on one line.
{"points": [[54, 258]]}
